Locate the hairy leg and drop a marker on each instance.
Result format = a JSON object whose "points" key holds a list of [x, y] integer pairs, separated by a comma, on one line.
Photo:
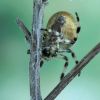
{"points": [[65, 66], [74, 57], [78, 23]]}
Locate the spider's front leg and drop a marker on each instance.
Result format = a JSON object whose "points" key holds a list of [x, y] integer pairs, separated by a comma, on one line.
{"points": [[65, 66], [45, 54], [74, 57], [41, 61], [78, 23], [46, 30]]}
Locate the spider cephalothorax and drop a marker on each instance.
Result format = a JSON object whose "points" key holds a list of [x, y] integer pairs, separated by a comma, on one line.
{"points": [[61, 33]]}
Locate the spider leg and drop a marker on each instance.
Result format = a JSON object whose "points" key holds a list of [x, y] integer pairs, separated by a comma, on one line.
{"points": [[65, 66], [78, 23], [43, 59], [74, 57], [44, 56], [46, 30], [41, 63]]}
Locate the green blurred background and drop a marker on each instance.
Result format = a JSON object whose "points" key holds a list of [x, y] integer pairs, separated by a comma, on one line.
{"points": [[14, 81]]}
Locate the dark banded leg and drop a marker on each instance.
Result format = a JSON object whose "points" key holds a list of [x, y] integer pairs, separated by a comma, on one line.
{"points": [[46, 30], [74, 57], [43, 29], [78, 23], [65, 67], [41, 62]]}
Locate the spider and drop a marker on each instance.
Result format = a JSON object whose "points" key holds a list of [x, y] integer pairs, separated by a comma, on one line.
{"points": [[58, 37]]}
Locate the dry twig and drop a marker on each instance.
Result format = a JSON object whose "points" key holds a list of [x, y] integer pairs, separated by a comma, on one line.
{"points": [[34, 40]]}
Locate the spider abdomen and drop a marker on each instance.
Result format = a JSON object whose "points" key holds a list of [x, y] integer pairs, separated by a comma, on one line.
{"points": [[68, 29]]}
